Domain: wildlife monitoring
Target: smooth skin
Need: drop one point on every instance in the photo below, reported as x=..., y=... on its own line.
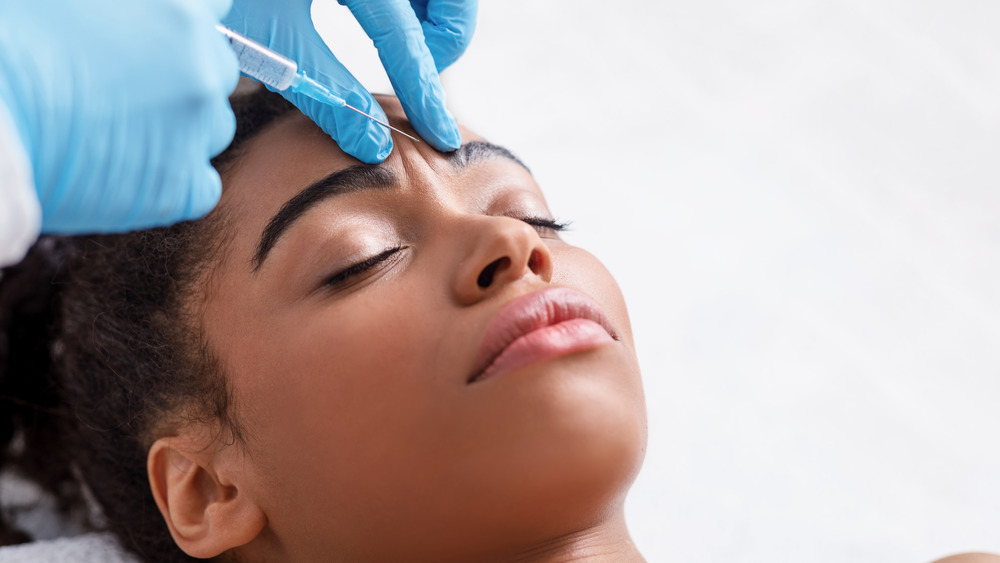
x=365, y=440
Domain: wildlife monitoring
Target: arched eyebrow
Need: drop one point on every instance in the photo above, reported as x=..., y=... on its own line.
x=477, y=151
x=360, y=178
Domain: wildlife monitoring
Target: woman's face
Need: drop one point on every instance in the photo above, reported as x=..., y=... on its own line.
x=350, y=320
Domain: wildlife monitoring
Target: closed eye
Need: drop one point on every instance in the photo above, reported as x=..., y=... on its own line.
x=346, y=274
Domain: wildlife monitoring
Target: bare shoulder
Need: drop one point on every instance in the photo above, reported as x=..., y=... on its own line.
x=971, y=558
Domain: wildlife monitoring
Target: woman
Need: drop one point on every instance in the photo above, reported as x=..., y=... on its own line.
x=394, y=362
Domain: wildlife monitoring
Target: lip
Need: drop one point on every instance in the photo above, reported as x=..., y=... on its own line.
x=540, y=326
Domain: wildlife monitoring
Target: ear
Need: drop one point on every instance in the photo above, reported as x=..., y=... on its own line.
x=195, y=492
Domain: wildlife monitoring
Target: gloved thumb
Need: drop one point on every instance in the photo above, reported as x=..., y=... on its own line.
x=356, y=134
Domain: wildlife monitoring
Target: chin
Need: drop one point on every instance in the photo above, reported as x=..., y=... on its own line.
x=595, y=423
x=574, y=439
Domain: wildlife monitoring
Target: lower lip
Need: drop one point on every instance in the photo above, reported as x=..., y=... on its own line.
x=568, y=337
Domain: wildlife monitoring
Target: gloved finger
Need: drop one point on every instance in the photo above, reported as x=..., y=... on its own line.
x=204, y=194
x=358, y=136
x=188, y=190
x=222, y=122
x=202, y=183
x=295, y=37
x=222, y=127
x=396, y=32
x=448, y=26
x=227, y=65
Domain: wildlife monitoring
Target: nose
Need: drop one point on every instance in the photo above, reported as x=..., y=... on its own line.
x=498, y=251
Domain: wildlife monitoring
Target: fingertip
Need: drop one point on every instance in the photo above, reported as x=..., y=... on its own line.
x=435, y=125
x=371, y=147
x=383, y=137
x=452, y=139
x=361, y=137
x=205, y=194
x=380, y=139
x=223, y=129
x=385, y=151
x=355, y=134
x=230, y=71
x=445, y=143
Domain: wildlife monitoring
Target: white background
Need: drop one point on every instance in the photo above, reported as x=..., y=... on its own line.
x=800, y=200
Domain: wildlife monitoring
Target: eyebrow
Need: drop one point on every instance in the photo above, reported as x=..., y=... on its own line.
x=362, y=177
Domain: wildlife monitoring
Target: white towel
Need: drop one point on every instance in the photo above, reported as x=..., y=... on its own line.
x=86, y=548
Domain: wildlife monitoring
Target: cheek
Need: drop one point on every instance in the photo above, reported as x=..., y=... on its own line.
x=349, y=369
x=343, y=393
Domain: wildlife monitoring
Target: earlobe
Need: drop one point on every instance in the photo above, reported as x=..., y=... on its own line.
x=204, y=510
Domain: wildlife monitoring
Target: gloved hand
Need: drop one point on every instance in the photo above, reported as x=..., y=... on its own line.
x=415, y=40
x=119, y=105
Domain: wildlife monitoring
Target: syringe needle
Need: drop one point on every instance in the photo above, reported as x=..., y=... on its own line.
x=380, y=122
x=281, y=73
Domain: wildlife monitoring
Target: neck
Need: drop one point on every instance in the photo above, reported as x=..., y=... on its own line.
x=608, y=540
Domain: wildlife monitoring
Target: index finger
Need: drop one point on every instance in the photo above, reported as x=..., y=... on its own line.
x=396, y=32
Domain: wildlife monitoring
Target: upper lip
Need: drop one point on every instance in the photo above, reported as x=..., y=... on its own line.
x=531, y=312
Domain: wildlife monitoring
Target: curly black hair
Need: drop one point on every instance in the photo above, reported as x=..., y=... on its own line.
x=101, y=351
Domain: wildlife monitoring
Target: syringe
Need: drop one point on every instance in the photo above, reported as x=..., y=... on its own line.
x=282, y=73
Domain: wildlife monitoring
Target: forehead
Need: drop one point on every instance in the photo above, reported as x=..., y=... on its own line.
x=286, y=156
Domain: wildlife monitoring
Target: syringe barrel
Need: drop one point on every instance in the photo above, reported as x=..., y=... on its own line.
x=260, y=62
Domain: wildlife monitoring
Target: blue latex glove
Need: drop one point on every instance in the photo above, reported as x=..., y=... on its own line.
x=120, y=105
x=415, y=41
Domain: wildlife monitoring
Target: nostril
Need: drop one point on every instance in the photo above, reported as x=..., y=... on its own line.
x=486, y=276
x=536, y=261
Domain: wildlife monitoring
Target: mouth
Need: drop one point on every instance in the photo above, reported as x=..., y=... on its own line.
x=540, y=326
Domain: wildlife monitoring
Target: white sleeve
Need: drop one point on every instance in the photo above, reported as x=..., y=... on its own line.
x=20, y=212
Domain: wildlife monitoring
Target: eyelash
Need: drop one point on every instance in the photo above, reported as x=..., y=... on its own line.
x=362, y=267
x=369, y=263
x=544, y=223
